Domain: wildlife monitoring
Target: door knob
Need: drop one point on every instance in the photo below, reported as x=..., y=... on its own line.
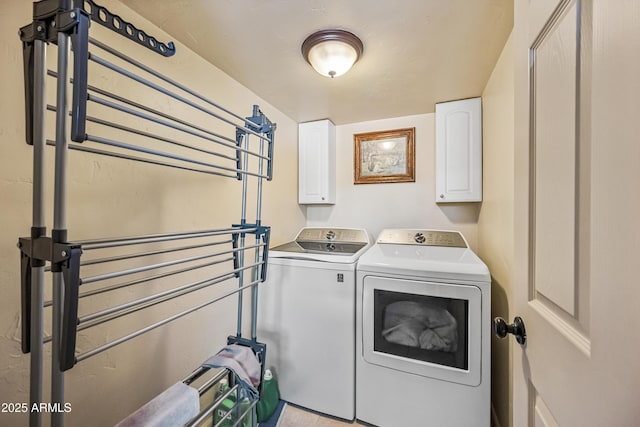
x=501, y=329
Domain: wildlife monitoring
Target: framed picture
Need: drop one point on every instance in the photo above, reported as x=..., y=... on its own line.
x=386, y=156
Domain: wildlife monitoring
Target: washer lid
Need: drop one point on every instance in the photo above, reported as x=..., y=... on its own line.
x=419, y=260
x=343, y=245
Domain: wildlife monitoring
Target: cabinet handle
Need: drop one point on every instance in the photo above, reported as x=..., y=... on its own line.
x=442, y=196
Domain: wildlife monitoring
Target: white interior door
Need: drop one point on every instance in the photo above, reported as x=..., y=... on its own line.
x=577, y=208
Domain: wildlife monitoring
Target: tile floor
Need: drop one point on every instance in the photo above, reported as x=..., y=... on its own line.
x=293, y=416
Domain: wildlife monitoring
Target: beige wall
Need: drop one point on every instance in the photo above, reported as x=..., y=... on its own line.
x=495, y=224
x=112, y=197
x=398, y=205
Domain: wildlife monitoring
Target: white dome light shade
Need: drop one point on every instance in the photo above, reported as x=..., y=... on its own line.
x=332, y=58
x=332, y=52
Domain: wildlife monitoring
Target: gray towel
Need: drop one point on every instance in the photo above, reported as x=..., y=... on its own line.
x=173, y=407
x=244, y=364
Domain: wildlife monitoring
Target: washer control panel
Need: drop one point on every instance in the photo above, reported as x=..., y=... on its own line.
x=343, y=235
x=452, y=239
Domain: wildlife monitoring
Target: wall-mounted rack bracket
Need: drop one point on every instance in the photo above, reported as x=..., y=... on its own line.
x=240, y=135
x=50, y=17
x=71, y=275
x=260, y=123
x=261, y=232
x=265, y=235
x=35, y=252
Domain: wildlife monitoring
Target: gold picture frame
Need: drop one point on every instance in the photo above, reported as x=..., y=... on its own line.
x=387, y=156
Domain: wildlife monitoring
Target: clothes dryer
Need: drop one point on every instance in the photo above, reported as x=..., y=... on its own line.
x=306, y=316
x=423, y=332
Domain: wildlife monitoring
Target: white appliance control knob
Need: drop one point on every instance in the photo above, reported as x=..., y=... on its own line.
x=419, y=238
x=331, y=235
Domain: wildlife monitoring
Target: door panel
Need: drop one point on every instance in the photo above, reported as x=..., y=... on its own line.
x=577, y=238
x=553, y=64
x=542, y=415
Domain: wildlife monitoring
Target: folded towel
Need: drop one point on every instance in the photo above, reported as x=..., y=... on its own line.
x=443, y=338
x=421, y=325
x=173, y=407
x=404, y=331
x=244, y=364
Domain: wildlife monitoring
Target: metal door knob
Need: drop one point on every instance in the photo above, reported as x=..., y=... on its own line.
x=501, y=329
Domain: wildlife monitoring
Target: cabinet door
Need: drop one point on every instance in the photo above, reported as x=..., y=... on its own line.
x=316, y=162
x=459, y=151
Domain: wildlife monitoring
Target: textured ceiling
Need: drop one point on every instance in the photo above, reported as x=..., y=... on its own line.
x=416, y=52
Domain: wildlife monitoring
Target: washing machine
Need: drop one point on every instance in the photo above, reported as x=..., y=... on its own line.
x=306, y=316
x=423, y=332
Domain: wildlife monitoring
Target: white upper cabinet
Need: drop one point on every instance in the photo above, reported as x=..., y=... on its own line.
x=459, y=151
x=317, y=162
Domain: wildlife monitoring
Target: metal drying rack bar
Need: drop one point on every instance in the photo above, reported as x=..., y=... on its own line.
x=143, y=133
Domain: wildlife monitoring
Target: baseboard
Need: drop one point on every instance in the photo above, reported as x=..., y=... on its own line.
x=280, y=417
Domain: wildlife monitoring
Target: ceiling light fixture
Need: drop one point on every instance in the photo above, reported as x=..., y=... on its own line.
x=332, y=52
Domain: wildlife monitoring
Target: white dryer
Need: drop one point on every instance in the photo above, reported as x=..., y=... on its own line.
x=306, y=316
x=423, y=332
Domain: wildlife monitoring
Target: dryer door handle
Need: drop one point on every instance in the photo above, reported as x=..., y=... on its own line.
x=501, y=329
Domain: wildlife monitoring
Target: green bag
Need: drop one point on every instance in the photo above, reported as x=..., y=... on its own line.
x=269, y=397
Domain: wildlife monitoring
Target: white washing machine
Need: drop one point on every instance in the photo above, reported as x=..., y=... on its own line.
x=306, y=316
x=423, y=332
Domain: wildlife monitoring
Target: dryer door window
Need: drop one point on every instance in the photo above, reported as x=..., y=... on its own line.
x=426, y=328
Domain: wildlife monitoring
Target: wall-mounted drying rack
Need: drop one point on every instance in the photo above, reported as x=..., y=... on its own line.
x=107, y=121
